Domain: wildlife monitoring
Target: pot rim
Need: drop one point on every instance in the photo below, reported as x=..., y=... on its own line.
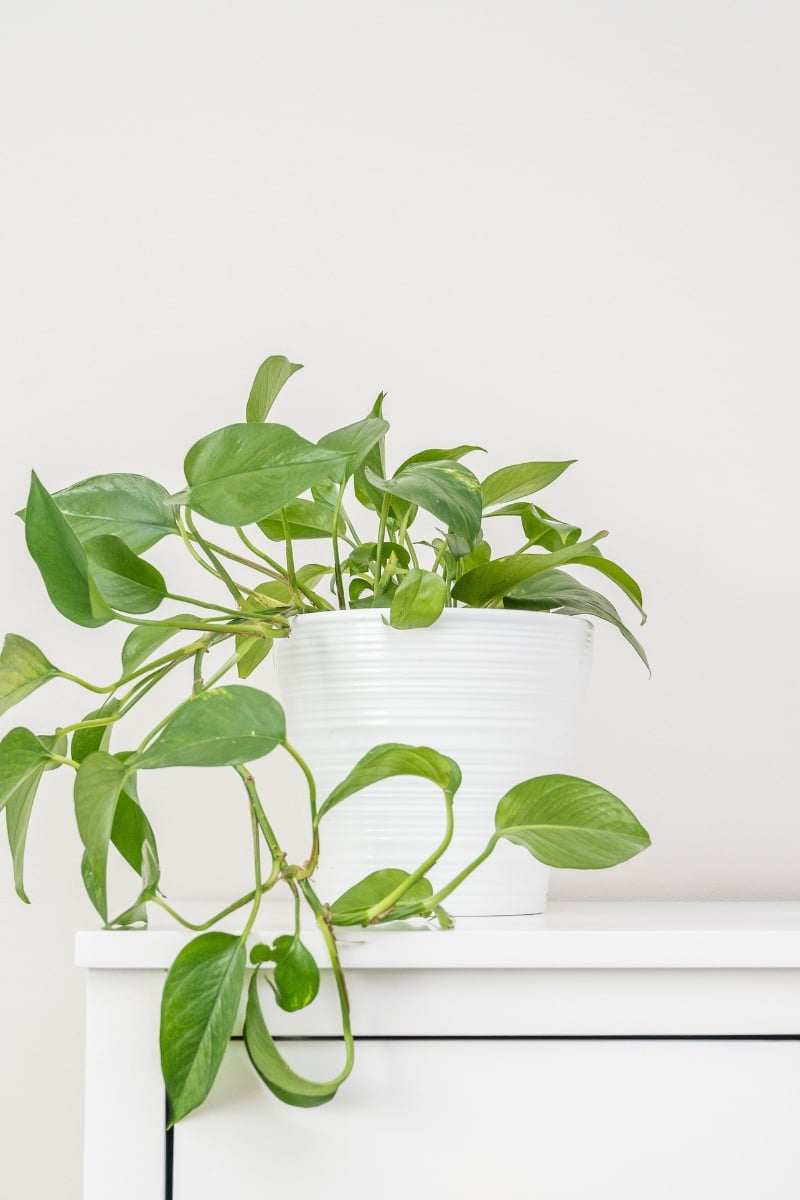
x=366, y=615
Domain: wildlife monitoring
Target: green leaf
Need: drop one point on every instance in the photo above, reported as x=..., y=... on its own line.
x=23, y=669
x=270, y=378
x=391, y=759
x=355, y=441
x=477, y=557
x=484, y=585
x=198, y=1012
x=362, y=558
x=131, y=507
x=24, y=758
x=571, y=823
x=539, y=527
x=448, y=490
x=353, y=906
x=275, y=594
x=268, y=1061
x=98, y=785
x=429, y=456
x=419, y=600
x=555, y=591
x=243, y=473
x=58, y=554
x=615, y=573
x=306, y=519
x=375, y=461
x=223, y=727
x=96, y=737
x=522, y=479
x=144, y=640
x=123, y=580
x=295, y=980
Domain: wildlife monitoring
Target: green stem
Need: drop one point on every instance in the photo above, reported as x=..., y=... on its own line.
x=389, y=901
x=266, y=829
x=310, y=866
x=381, y=535
x=215, y=562
x=220, y=608
x=323, y=924
x=275, y=567
x=428, y=906
x=292, y=575
x=67, y=762
x=251, y=920
x=337, y=564
x=90, y=687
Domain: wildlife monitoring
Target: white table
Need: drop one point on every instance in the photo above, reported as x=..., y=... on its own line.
x=610, y=1051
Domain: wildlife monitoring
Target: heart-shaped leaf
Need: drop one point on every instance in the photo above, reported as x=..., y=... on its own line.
x=521, y=479
x=131, y=507
x=355, y=441
x=23, y=669
x=391, y=759
x=419, y=600
x=143, y=641
x=448, y=490
x=242, y=473
x=486, y=584
x=354, y=906
x=124, y=581
x=273, y=1068
x=295, y=979
x=222, y=727
x=98, y=786
x=61, y=559
x=555, y=591
x=571, y=823
x=198, y=1012
x=270, y=378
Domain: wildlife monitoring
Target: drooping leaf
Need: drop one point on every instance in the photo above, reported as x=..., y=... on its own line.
x=274, y=594
x=538, y=526
x=306, y=519
x=448, y=490
x=374, y=461
x=270, y=378
x=391, y=759
x=24, y=758
x=429, y=456
x=615, y=573
x=486, y=584
x=23, y=669
x=571, y=823
x=144, y=640
x=419, y=600
x=123, y=580
x=198, y=1011
x=242, y=473
x=555, y=591
x=353, y=906
x=61, y=559
x=273, y=1068
x=131, y=507
x=521, y=479
x=222, y=727
x=355, y=441
x=98, y=785
x=295, y=980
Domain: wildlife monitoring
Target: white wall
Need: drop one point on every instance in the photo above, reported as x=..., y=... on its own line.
x=559, y=230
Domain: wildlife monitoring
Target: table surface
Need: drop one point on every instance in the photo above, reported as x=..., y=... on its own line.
x=569, y=935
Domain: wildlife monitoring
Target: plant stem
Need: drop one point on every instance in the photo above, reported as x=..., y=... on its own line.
x=215, y=562
x=428, y=906
x=337, y=564
x=323, y=924
x=257, y=865
x=310, y=866
x=389, y=901
x=381, y=535
x=267, y=830
x=275, y=567
x=292, y=575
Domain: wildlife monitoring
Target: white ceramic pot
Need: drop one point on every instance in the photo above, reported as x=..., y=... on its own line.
x=496, y=690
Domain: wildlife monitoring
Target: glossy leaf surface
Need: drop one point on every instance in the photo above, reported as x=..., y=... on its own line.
x=61, y=559
x=392, y=759
x=243, y=473
x=356, y=442
x=131, y=507
x=428, y=456
x=295, y=979
x=222, y=727
x=419, y=600
x=198, y=1011
x=123, y=580
x=571, y=823
x=306, y=519
x=352, y=907
x=270, y=378
x=142, y=642
x=555, y=591
x=448, y=490
x=521, y=479
x=23, y=669
x=24, y=758
x=486, y=584
x=375, y=462
x=273, y=1068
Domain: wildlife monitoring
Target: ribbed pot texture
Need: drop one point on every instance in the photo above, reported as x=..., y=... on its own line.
x=498, y=691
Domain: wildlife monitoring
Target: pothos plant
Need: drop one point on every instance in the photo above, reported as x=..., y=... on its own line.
x=272, y=488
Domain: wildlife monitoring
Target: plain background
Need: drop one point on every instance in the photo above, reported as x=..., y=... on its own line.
x=557, y=230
